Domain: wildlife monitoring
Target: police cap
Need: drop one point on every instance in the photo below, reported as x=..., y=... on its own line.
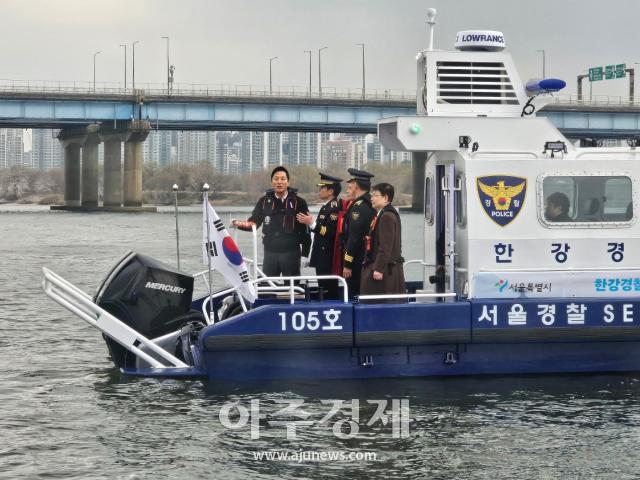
x=359, y=176
x=328, y=180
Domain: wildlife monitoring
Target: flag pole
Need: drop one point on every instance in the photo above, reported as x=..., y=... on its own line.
x=205, y=193
x=175, y=194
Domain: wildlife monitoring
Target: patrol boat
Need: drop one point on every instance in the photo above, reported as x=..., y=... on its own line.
x=513, y=283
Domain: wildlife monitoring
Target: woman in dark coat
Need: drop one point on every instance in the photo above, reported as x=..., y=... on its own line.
x=382, y=271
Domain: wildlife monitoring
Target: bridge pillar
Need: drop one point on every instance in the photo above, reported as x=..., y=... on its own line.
x=112, y=170
x=418, y=163
x=90, y=170
x=72, y=178
x=139, y=131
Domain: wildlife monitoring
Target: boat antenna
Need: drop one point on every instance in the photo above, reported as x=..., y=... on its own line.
x=175, y=195
x=205, y=193
x=431, y=21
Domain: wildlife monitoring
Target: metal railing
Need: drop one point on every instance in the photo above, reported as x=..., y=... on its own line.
x=596, y=100
x=407, y=296
x=115, y=89
x=203, y=90
x=10, y=86
x=291, y=289
x=79, y=303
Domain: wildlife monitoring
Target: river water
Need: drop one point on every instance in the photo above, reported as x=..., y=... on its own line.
x=68, y=413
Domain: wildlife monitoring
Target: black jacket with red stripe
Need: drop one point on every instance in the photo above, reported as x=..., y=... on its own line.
x=281, y=232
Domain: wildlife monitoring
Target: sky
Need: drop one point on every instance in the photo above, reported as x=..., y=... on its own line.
x=230, y=42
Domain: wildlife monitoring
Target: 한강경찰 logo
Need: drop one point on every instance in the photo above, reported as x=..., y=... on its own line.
x=502, y=197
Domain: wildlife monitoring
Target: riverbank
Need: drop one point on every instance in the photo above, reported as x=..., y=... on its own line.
x=34, y=187
x=226, y=199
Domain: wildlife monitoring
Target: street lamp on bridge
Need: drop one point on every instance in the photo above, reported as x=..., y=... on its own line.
x=94, y=70
x=320, y=70
x=363, y=75
x=270, y=76
x=133, y=66
x=309, y=52
x=168, y=67
x=125, y=65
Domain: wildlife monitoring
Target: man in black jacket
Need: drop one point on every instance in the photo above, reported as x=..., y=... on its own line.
x=324, y=231
x=356, y=226
x=285, y=239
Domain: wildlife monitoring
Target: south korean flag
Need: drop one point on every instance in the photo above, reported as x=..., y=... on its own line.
x=224, y=253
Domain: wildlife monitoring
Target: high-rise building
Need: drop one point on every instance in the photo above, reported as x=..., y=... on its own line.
x=232, y=163
x=288, y=157
x=322, y=139
x=196, y=147
x=165, y=143
x=46, y=149
x=375, y=150
x=308, y=148
x=338, y=152
x=274, y=148
x=151, y=148
x=11, y=147
x=258, y=151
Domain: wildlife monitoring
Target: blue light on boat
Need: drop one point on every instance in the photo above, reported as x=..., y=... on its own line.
x=545, y=85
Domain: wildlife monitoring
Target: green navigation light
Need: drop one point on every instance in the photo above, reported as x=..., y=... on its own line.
x=415, y=128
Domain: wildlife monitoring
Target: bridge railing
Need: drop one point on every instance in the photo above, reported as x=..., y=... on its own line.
x=200, y=90
x=597, y=100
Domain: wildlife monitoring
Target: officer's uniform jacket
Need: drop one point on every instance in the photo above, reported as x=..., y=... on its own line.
x=324, y=236
x=356, y=226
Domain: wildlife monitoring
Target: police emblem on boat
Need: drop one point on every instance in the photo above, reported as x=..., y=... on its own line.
x=502, y=197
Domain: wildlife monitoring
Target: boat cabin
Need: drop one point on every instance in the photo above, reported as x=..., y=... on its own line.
x=490, y=167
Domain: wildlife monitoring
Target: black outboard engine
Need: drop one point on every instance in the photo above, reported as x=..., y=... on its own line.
x=152, y=298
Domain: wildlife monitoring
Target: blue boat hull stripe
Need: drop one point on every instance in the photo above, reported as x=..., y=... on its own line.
x=558, y=334
x=275, y=341
x=413, y=337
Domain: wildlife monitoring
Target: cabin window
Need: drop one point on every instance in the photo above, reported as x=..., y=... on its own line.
x=428, y=199
x=586, y=199
x=461, y=201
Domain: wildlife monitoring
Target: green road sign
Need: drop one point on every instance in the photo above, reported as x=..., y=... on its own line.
x=595, y=74
x=609, y=72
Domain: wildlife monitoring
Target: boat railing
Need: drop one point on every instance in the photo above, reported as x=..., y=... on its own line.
x=407, y=296
x=289, y=286
x=79, y=303
x=204, y=275
x=420, y=262
x=480, y=153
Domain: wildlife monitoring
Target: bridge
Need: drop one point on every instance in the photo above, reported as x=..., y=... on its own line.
x=60, y=105
x=87, y=116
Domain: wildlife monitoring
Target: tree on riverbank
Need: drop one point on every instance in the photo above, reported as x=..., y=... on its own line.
x=234, y=188
x=19, y=184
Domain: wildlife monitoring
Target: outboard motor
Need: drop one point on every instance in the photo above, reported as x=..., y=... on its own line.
x=152, y=298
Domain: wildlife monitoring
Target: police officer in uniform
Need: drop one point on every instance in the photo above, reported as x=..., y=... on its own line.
x=356, y=226
x=284, y=238
x=324, y=230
